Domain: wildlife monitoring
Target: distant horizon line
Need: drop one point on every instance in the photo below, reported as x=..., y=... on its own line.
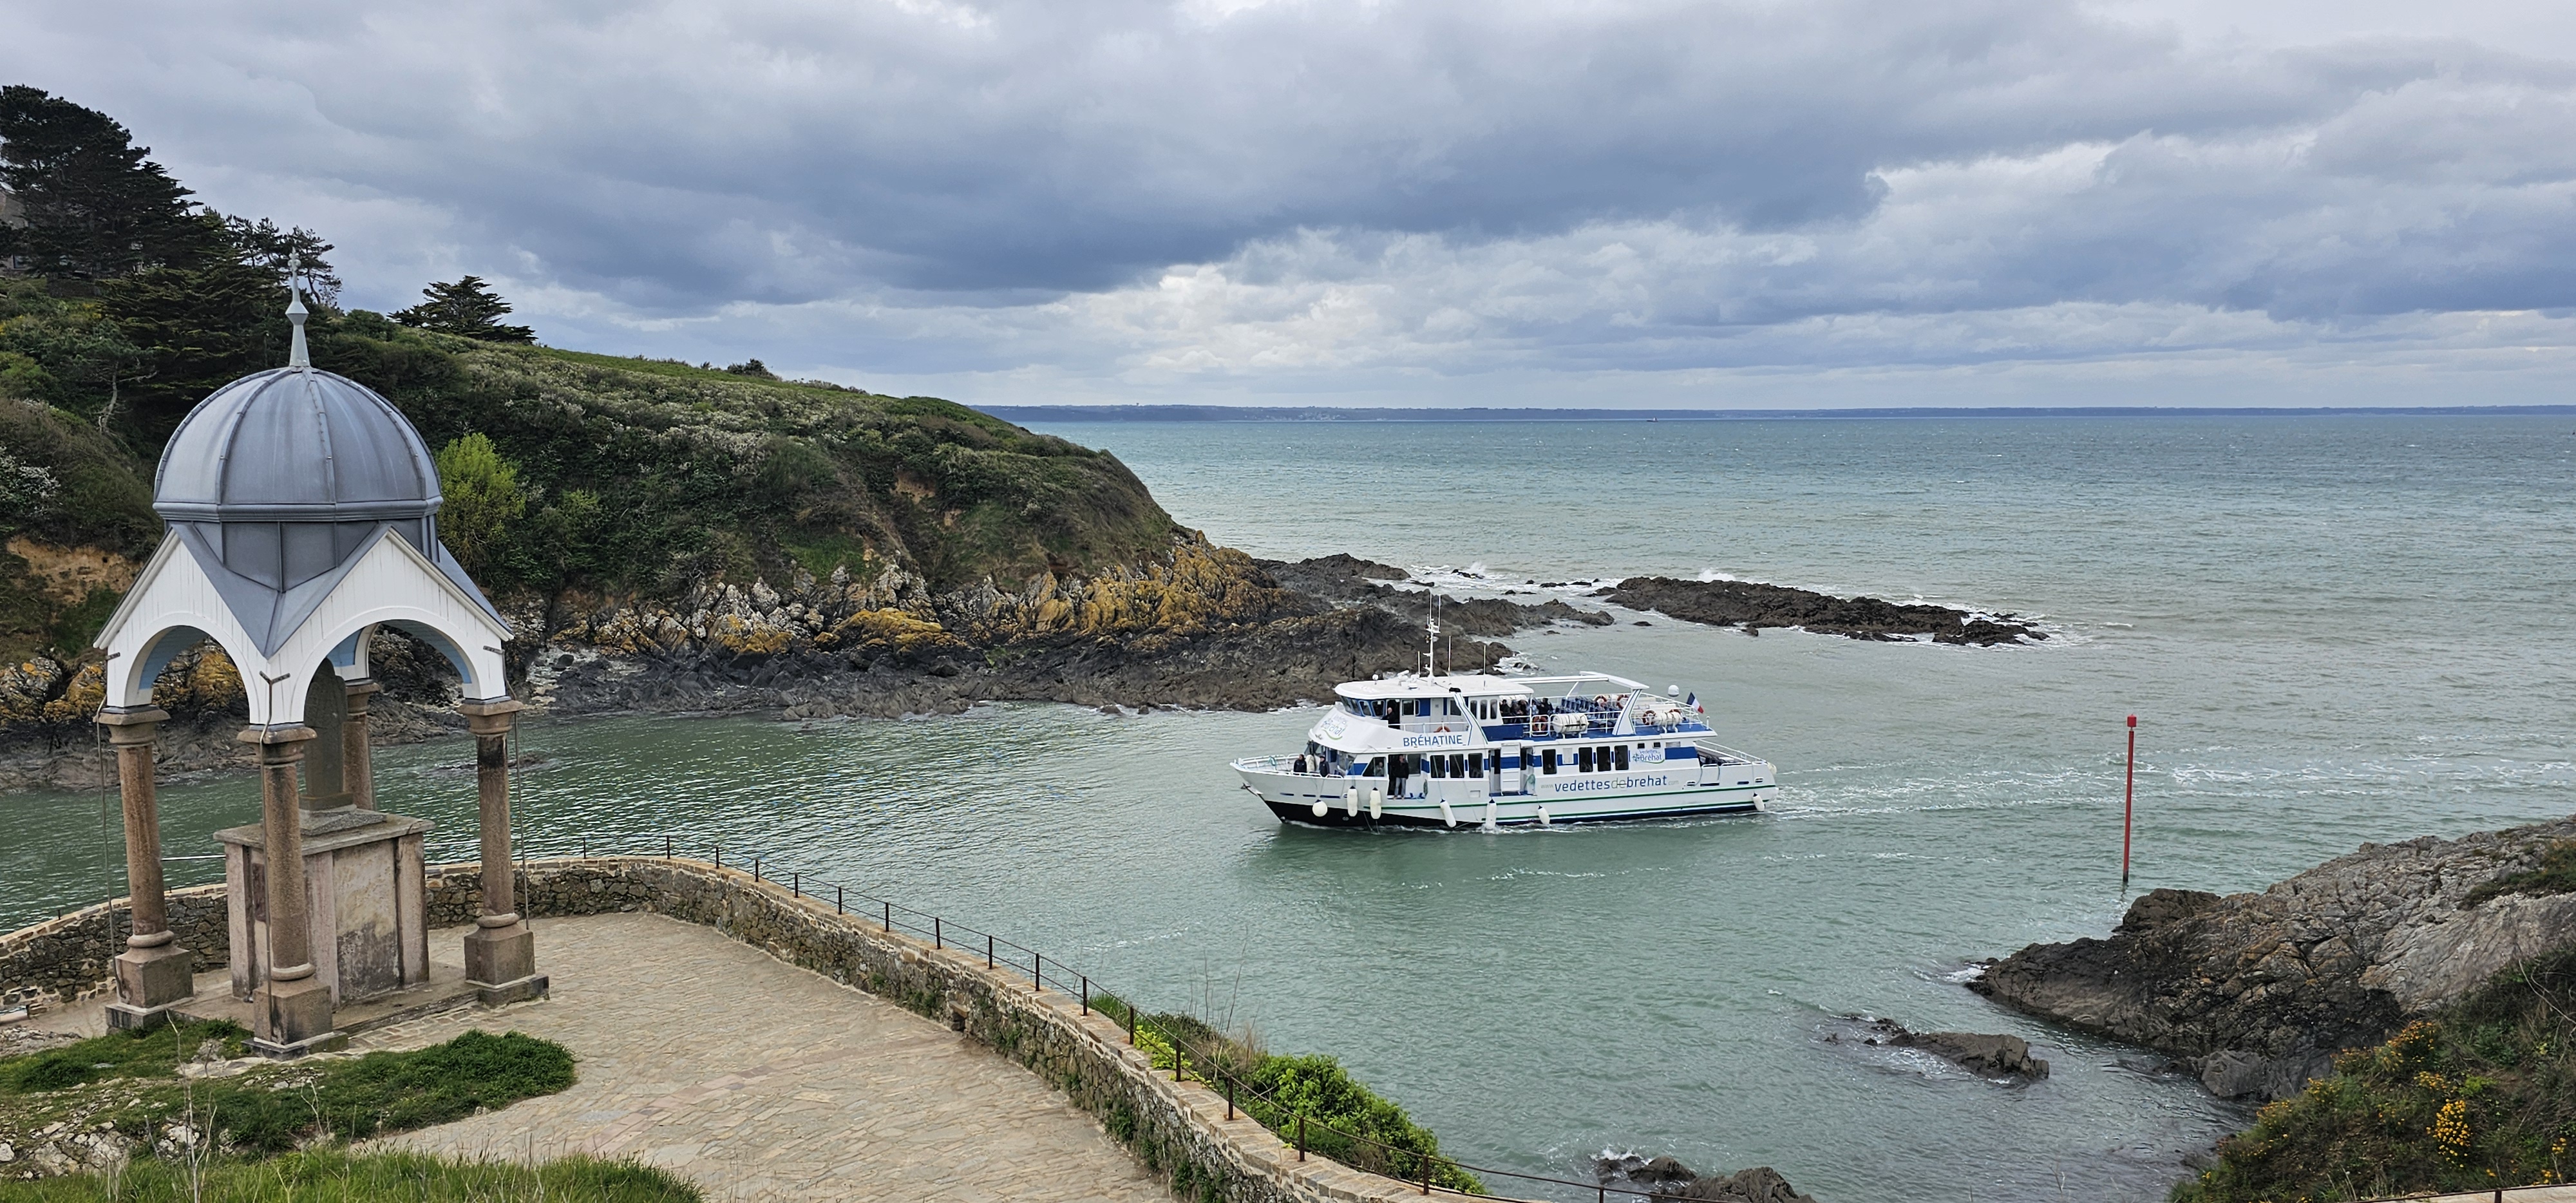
x=1336, y=413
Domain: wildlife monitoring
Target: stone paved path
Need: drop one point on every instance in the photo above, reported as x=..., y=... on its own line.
x=758, y=1080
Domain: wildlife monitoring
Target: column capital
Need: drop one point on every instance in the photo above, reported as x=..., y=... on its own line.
x=132, y=724
x=282, y=740
x=490, y=717
x=360, y=687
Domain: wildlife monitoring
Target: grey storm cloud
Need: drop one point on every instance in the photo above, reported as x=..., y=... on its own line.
x=1576, y=182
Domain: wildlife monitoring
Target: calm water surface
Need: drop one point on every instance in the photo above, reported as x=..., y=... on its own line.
x=2334, y=630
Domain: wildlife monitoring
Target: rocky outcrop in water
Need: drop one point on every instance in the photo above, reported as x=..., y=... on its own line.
x=1663, y=1178
x=2256, y=992
x=1987, y=1056
x=1751, y=607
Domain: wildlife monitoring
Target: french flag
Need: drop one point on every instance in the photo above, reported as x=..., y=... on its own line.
x=1693, y=702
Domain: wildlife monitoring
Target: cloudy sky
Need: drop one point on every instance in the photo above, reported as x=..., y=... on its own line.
x=1482, y=202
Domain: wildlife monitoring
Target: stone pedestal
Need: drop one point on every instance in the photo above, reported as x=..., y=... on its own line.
x=365, y=899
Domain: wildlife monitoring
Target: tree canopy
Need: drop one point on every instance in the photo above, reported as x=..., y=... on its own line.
x=93, y=205
x=467, y=307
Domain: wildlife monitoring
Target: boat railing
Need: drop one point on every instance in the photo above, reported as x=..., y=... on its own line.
x=1285, y=766
x=1722, y=753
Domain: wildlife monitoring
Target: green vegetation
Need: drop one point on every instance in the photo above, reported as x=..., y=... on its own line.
x=1345, y=1120
x=2556, y=874
x=129, y=1083
x=467, y=308
x=572, y=477
x=332, y=1175
x=137, y=1053
x=2480, y=1096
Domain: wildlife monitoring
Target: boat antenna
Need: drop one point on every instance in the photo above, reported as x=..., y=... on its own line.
x=1431, y=654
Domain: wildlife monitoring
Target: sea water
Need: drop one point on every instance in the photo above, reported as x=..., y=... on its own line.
x=2333, y=630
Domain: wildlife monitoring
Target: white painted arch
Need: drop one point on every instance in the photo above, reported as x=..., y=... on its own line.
x=174, y=605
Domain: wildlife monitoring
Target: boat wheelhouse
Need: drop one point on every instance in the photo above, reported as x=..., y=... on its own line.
x=1480, y=750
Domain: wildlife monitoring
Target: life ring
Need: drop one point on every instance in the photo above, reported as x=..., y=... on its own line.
x=1600, y=699
x=1441, y=731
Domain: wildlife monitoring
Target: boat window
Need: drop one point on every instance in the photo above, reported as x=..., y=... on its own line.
x=1548, y=760
x=1476, y=764
x=1622, y=755
x=1585, y=756
x=1457, y=764
x=1377, y=766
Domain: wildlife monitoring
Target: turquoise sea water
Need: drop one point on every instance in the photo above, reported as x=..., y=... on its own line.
x=2334, y=629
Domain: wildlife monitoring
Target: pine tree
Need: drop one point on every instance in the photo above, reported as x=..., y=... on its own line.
x=93, y=206
x=203, y=322
x=467, y=307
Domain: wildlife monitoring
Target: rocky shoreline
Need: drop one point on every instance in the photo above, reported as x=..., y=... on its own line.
x=1750, y=607
x=2257, y=992
x=1207, y=628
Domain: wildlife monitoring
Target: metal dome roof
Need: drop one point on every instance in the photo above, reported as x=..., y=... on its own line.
x=295, y=444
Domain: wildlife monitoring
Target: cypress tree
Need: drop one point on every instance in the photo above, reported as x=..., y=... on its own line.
x=93, y=205
x=467, y=307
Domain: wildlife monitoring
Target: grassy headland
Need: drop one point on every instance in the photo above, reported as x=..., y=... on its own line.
x=2479, y=1096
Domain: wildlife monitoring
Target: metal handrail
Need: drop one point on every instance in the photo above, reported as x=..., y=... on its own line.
x=894, y=917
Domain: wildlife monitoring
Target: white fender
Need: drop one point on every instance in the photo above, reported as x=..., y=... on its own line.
x=1319, y=808
x=1490, y=824
x=1374, y=812
x=1351, y=802
x=1374, y=794
x=1445, y=816
x=1542, y=817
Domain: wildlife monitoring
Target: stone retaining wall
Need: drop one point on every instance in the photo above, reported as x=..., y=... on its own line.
x=1176, y=1129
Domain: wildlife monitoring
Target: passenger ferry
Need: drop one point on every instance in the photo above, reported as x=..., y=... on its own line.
x=1422, y=750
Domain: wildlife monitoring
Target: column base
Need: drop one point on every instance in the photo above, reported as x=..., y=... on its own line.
x=150, y=981
x=291, y=1018
x=534, y=985
x=327, y=1042
x=500, y=956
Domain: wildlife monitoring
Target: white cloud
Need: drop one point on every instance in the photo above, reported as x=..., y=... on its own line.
x=1441, y=199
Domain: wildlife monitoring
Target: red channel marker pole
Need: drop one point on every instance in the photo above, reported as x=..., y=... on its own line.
x=2129, y=803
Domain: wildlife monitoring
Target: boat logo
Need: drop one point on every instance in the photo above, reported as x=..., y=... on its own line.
x=1435, y=741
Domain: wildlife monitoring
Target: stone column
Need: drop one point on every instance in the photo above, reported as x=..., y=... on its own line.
x=153, y=974
x=500, y=953
x=291, y=1011
x=357, y=762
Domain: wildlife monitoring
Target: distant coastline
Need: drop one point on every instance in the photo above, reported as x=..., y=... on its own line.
x=1332, y=413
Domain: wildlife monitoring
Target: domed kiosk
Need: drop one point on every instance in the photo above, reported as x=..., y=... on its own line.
x=303, y=517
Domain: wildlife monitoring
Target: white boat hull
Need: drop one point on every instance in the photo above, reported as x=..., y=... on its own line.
x=1295, y=797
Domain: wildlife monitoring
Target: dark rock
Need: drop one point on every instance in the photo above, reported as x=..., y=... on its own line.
x=1664, y=1178
x=1987, y=1056
x=1752, y=607
x=2257, y=992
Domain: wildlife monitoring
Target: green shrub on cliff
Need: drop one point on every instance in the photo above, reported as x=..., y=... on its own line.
x=1345, y=1120
x=2481, y=1096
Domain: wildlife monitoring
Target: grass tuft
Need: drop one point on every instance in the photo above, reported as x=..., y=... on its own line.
x=333, y=1175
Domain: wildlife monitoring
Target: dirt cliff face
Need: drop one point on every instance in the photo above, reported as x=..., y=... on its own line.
x=2258, y=991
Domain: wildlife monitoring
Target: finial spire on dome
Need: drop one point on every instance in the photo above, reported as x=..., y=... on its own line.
x=296, y=355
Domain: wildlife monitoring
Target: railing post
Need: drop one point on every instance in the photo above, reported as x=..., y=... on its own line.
x=837, y=909
x=938, y=939
x=889, y=918
x=1229, y=1096
x=988, y=952
x=796, y=885
x=1131, y=1025
x=1037, y=971
x=666, y=847
x=755, y=870
x=1086, y=994
x=720, y=856
x=1180, y=1060
x=1301, y=1136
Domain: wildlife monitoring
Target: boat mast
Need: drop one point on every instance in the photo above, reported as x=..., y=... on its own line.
x=1431, y=654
